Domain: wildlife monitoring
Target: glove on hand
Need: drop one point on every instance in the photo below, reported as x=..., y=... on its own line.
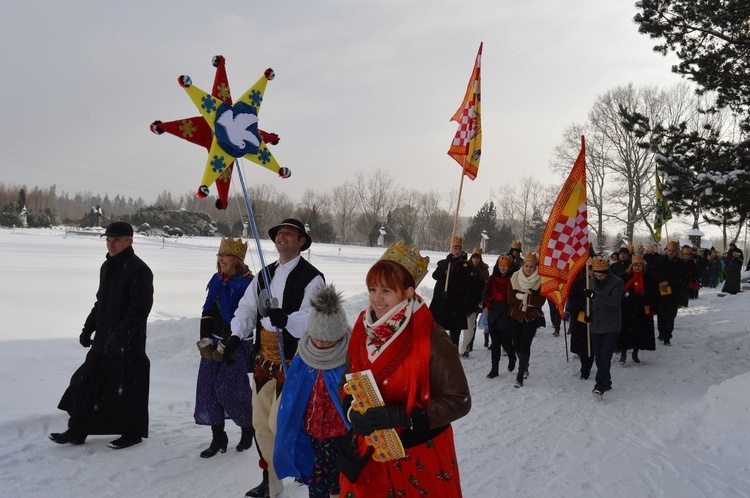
x=230, y=346
x=589, y=293
x=587, y=318
x=85, y=339
x=379, y=418
x=519, y=295
x=627, y=294
x=566, y=316
x=278, y=317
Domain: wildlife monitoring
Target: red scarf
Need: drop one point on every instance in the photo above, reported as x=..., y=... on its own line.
x=635, y=283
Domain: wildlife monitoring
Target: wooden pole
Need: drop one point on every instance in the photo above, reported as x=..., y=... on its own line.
x=588, y=313
x=565, y=335
x=455, y=223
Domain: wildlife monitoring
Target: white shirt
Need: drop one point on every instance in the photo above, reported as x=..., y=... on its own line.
x=244, y=321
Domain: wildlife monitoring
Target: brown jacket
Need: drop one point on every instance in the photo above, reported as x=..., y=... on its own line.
x=535, y=301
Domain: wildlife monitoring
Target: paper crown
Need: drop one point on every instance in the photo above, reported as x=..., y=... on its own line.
x=409, y=258
x=673, y=244
x=516, y=244
x=601, y=263
x=457, y=241
x=637, y=258
x=530, y=256
x=236, y=248
x=476, y=250
x=504, y=259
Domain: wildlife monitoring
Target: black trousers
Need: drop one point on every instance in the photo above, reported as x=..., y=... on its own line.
x=522, y=334
x=501, y=338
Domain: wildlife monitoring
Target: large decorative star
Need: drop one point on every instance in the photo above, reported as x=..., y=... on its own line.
x=200, y=131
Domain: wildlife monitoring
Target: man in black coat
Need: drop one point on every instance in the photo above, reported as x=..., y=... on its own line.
x=449, y=304
x=671, y=275
x=108, y=394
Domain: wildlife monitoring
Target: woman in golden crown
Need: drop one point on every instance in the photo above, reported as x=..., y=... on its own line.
x=640, y=303
x=423, y=386
x=525, y=307
x=223, y=388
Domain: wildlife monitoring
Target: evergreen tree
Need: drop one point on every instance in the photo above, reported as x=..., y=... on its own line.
x=711, y=39
x=484, y=220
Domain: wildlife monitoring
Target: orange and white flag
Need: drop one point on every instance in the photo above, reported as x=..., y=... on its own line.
x=466, y=147
x=565, y=243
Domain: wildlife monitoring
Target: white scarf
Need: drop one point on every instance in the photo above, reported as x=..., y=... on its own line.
x=525, y=285
x=382, y=332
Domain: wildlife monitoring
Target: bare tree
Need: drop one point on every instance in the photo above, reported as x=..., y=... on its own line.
x=517, y=206
x=343, y=211
x=375, y=195
x=597, y=157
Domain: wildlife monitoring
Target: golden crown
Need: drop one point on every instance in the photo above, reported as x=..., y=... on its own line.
x=236, y=248
x=409, y=258
x=601, y=263
x=516, y=244
x=504, y=259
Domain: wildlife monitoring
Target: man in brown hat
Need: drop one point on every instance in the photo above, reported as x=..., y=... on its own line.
x=277, y=301
x=449, y=305
x=108, y=394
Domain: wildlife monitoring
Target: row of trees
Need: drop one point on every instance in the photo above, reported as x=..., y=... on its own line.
x=698, y=136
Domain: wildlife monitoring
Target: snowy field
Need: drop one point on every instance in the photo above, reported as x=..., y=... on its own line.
x=676, y=425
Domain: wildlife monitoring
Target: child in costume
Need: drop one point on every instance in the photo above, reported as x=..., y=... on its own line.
x=310, y=420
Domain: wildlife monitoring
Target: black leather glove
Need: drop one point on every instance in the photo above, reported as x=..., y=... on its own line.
x=587, y=318
x=589, y=293
x=85, y=339
x=278, y=317
x=379, y=418
x=230, y=346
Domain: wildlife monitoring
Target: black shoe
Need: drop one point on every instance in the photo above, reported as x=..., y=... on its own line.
x=124, y=442
x=519, y=383
x=556, y=332
x=465, y=354
x=68, y=437
x=218, y=443
x=584, y=377
x=246, y=441
x=493, y=373
x=526, y=374
x=623, y=357
x=635, y=357
x=261, y=490
x=667, y=343
x=511, y=366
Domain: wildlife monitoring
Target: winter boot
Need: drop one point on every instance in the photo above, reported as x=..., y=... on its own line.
x=623, y=357
x=635, y=356
x=493, y=373
x=218, y=443
x=261, y=490
x=246, y=441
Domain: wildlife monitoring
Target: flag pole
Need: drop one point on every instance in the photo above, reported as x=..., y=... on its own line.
x=455, y=223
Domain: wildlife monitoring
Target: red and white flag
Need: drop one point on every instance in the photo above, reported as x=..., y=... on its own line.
x=466, y=147
x=565, y=243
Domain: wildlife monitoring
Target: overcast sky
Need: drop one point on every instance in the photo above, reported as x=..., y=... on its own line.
x=359, y=86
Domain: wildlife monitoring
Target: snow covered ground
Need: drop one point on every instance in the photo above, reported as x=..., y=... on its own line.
x=675, y=425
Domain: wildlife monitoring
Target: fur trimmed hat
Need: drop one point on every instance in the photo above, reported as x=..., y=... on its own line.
x=327, y=321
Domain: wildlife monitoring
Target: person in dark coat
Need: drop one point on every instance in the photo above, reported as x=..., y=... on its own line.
x=734, y=269
x=670, y=275
x=640, y=302
x=619, y=267
x=449, y=306
x=108, y=394
x=714, y=269
x=475, y=288
x=605, y=292
x=692, y=277
x=576, y=309
x=496, y=308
